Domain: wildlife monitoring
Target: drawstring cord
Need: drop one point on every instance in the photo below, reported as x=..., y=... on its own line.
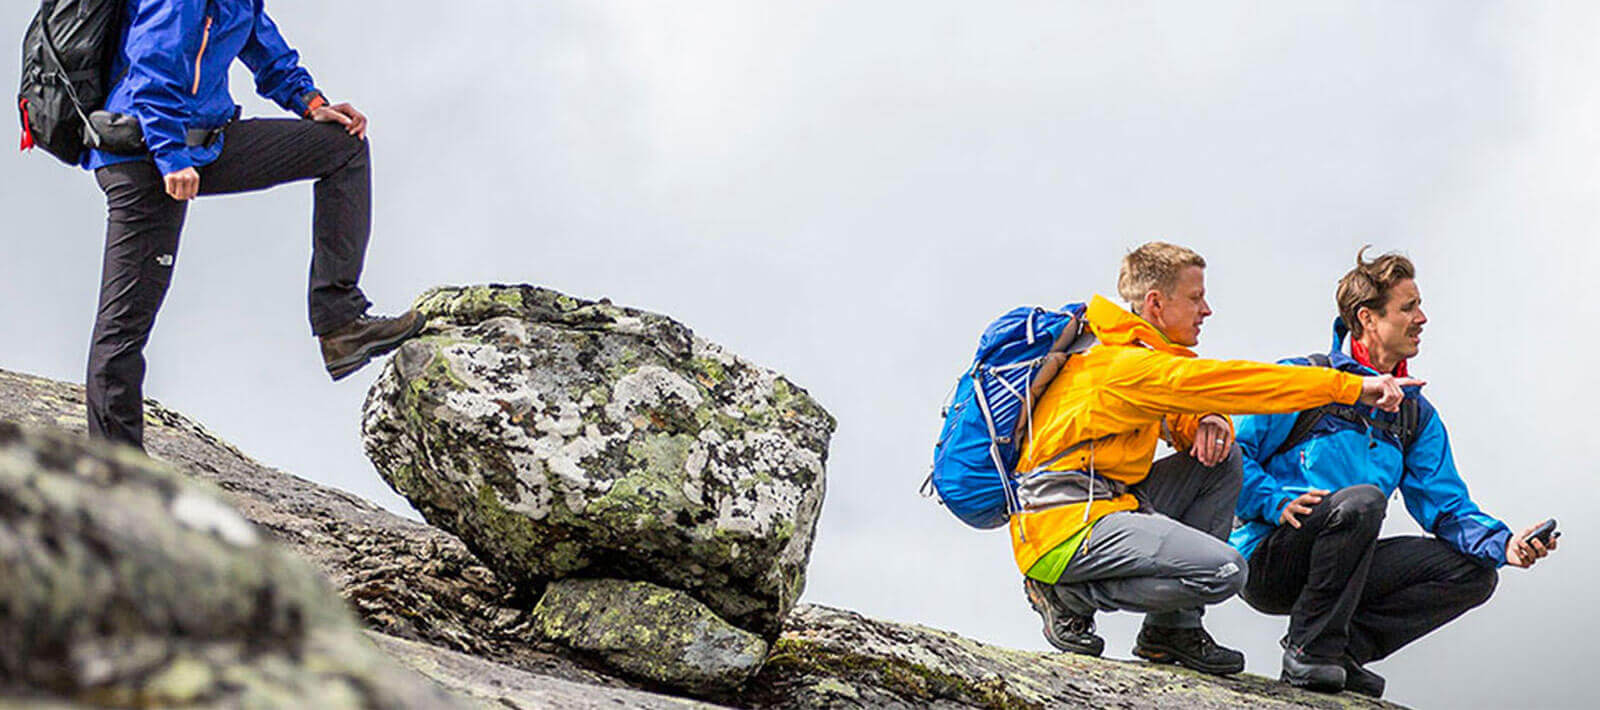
x=27, y=127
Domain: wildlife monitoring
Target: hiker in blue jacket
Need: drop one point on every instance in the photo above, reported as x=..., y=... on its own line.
x=172, y=79
x=1316, y=488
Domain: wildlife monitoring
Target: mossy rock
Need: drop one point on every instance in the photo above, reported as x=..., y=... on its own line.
x=658, y=634
x=560, y=437
x=127, y=585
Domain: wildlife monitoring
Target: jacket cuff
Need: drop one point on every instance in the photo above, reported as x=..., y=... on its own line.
x=1347, y=388
x=1276, y=513
x=311, y=101
x=172, y=160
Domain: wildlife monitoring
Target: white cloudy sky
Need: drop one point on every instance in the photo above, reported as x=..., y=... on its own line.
x=848, y=191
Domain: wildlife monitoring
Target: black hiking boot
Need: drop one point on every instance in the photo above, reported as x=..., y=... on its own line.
x=1073, y=633
x=1190, y=648
x=1324, y=675
x=1357, y=679
x=349, y=348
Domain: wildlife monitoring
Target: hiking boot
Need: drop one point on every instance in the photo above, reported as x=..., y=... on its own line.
x=1073, y=633
x=1324, y=675
x=1190, y=648
x=1357, y=679
x=347, y=349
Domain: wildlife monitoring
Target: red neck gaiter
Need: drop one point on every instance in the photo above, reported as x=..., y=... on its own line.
x=1359, y=352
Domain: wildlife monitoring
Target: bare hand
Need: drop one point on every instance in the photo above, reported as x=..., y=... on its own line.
x=1300, y=506
x=1523, y=551
x=354, y=122
x=1212, y=440
x=1384, y=391
x=183, y=184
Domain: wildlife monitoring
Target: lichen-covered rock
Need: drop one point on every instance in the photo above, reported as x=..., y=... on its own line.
x=559, y=437
x=839, y=659
x=123, y=584
x=651, y=632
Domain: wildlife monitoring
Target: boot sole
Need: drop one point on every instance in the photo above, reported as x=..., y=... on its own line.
x=1157, y=655
x=346, y=366
x=1312, y=685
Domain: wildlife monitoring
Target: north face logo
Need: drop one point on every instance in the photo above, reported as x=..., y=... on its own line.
x=164, y=259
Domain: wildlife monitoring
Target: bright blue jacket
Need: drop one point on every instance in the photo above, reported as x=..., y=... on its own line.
x=172, y=73
x=1340, y=453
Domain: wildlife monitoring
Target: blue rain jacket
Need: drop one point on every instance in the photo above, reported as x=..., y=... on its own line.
x=1339, y=454
x=172, y=74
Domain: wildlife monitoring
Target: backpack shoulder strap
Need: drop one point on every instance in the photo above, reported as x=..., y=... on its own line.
x=1410, y=423
x=1307, y=419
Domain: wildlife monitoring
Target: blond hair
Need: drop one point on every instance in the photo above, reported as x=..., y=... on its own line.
x=1154, y=266
x=1368, y=285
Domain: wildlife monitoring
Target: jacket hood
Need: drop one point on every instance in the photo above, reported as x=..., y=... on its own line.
x=1337, y=355
x=1115, y=325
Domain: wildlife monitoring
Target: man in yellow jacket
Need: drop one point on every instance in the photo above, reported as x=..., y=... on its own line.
x=1100, y=527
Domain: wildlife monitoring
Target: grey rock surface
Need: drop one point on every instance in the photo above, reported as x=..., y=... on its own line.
x=127, y=584
x=562, y=438
x=493, y=685
x=834, y=658
x=652, y=632
x=403, y=578
x=466, y=628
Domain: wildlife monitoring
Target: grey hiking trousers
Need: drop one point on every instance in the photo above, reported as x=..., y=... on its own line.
x=1171, y=558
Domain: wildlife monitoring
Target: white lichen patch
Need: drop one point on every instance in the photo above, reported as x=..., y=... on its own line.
x=208, y=515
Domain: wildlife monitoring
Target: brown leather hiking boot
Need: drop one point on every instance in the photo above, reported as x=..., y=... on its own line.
x=349, y=348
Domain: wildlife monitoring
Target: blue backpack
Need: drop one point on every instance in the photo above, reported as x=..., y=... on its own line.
x=986, y=416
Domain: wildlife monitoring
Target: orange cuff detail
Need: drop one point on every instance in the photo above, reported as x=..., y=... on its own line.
x=315, y=103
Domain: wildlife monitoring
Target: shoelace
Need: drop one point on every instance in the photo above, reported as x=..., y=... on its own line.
x=1074, y=624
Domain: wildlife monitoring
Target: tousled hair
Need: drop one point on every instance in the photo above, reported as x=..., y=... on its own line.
x=1369, y=284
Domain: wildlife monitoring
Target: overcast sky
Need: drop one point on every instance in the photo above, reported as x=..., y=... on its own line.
x=848, y=191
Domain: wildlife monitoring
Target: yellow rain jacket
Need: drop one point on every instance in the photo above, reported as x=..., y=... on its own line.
x=1132, y=387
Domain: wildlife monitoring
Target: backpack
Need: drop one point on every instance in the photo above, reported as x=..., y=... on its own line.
x=66, y=57
x=991, y=407
x=1405, y=427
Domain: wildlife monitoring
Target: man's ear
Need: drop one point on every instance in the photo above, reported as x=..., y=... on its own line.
x=1366, y=316
x=1152, y=302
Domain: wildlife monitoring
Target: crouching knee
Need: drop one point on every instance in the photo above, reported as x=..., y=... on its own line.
x=1480, y=584
x=1227, y=578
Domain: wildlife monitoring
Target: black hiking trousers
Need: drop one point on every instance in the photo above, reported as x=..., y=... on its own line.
x=142, y=227
x=1349, y=593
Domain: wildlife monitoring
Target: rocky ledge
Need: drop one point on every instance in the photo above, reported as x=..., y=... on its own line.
x=487, y=631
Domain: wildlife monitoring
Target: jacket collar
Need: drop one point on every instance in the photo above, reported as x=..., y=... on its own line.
x=1115, y=325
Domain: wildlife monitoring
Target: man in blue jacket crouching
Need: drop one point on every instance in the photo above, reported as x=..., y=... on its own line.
x=172, y=79
x=1316, y=488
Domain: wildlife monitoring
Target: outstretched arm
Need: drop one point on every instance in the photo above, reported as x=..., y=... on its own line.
x=1159, y=382
x=1438, y=500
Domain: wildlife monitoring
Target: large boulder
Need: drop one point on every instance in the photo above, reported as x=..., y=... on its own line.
x=560, y=437
x=127, y=585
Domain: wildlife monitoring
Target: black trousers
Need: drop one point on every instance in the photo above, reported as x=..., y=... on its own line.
x=1349, y=593
x=142, y=227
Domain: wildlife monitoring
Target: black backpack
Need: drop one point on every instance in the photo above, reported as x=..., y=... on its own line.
x=1404, y=427
x=66, y=60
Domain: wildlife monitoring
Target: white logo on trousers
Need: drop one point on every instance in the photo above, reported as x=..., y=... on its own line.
x=164, y=259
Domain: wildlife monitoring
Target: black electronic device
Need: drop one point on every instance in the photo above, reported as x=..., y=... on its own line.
x=1545, y=532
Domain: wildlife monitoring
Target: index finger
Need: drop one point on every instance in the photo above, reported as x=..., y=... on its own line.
x=1409, y=382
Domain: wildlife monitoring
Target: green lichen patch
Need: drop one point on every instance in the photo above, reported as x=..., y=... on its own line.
x=918, y=684
x=655, y=633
